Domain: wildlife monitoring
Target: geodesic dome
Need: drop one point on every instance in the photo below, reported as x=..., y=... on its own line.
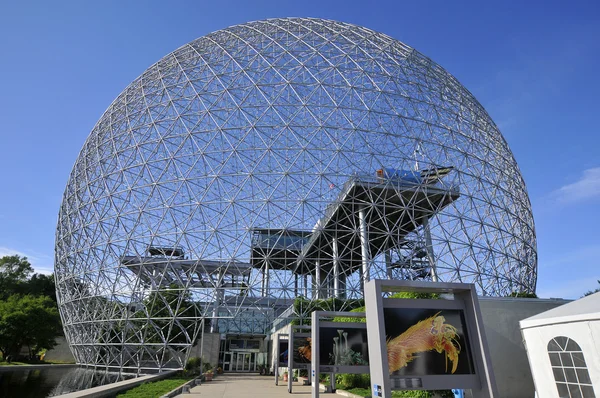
x=273, y=160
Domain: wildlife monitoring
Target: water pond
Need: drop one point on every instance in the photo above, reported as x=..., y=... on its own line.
x=50, y=381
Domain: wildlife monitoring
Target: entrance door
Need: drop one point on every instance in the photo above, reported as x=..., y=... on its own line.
x=227, y=362
x=239, y=361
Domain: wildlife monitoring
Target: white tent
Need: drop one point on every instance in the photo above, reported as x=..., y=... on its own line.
x=563, y=348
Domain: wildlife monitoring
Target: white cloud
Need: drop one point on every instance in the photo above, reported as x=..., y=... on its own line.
x=41, y=263
x=587, y=187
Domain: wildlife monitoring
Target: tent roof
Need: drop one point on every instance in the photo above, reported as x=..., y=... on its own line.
x=584, y=309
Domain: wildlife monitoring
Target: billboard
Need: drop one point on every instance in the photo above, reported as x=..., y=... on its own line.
x=425, y=341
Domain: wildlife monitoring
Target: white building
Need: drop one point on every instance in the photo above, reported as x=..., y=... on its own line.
x=563, y=348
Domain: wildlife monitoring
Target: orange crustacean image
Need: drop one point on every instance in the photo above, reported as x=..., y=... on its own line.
x=305, y=351
x=426, y=335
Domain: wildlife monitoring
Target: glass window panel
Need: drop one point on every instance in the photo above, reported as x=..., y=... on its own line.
x=575, y=391
x=570, y=374
x=561, y=341
x=563, y=390
x=572, y=346
x=553, y=346
x=565, y=357
x=555, y=359
x=558, y=374
x=578, y=359
x=583, y=376
x=588, y=392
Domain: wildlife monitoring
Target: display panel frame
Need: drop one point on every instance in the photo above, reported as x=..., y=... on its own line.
x=459, y=297
x=317, y=325
x=297, y=332
x=281, y=338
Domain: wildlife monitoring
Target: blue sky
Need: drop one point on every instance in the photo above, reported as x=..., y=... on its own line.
x=533, y=65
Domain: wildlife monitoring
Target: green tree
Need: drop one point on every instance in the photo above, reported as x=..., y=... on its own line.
x=28, y=321
x=592, y=291
x=14, y=274
x=41, y=285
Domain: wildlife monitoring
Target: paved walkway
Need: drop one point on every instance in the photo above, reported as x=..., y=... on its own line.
x=246, y=385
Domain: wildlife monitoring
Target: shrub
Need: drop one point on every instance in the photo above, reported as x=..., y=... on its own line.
x=193, y=363
x=348, y=381
x=304, y=307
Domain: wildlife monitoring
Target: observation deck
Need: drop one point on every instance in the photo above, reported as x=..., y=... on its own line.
x=280, y=248
x=370, y=216
x=165, y=271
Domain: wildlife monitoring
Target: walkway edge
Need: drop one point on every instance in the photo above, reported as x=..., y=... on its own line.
x=345, y=393
x=179, y=390
x=38, y=366
x=114, y=388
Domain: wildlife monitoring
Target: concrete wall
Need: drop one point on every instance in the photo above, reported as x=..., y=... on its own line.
x=501, y=318
x=586, y=334
x=210, y=351
x=61, y=352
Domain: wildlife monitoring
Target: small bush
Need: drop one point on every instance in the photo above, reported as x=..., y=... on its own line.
x=348, y=381
x=193, y=363
x=206, y=366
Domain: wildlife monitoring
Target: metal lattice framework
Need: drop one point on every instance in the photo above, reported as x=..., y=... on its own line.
x=273, y=160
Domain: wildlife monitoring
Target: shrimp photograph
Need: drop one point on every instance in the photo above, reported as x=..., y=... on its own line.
x=426, y=342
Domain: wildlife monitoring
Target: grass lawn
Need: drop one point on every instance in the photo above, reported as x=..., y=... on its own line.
x=154, y=389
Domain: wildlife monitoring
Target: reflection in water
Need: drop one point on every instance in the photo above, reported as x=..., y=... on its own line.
x=79, y=379
x=52, y=381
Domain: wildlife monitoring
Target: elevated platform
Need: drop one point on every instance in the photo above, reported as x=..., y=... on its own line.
x=280, y=247
x=165, y=271
x=391, y=209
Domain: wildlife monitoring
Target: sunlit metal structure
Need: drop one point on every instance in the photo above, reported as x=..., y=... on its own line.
x=273, y=160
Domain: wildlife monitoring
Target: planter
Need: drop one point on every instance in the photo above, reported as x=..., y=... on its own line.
x=285, y=377
x=304, y=381
x=208, y=376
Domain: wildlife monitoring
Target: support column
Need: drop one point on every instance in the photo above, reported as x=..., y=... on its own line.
x=336, y=269
x=295, y=285
x=364, y=245
x=262, y=282
x=388, y=264
x=219, y=298
x=429, y=248
x=306, y=285
x=317, y=287
x=265, y=281
x=201, y=342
